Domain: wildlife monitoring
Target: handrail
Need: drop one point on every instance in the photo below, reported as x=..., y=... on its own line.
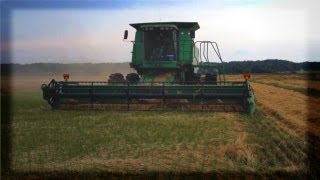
x=204, y=50
x=204, y=53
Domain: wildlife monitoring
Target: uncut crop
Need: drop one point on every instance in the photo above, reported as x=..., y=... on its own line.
x=138, y=141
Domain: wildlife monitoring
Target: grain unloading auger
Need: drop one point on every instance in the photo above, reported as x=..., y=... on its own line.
x=173, y=72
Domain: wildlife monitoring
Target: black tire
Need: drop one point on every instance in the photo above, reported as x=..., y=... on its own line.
x=116, y=78
x=133, y=78
x=197, y=79
x=211, y=79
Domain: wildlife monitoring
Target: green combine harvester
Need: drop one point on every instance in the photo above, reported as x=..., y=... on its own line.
x=173, y=72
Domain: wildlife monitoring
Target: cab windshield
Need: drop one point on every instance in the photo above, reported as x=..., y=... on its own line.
x=160, y=45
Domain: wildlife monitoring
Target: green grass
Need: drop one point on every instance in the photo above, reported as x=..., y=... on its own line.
x=275, y=149
x=41, y=135
x=46, y=140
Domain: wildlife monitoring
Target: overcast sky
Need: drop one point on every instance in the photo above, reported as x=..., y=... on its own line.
x=244, y=29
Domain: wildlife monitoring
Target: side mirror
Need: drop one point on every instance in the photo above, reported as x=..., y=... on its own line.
x=192, y=34
x=125, y=35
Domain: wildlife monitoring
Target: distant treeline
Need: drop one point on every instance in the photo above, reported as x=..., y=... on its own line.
x=233, y=67
x=269, y=66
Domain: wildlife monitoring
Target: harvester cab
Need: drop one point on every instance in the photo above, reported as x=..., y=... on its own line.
x=172, y=71
x=168, y=48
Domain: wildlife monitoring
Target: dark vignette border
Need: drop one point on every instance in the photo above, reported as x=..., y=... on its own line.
x=6, y=171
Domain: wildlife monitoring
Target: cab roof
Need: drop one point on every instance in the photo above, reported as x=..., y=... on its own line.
x=192, y=25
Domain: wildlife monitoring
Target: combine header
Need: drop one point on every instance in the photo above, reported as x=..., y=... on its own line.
x=173, y=72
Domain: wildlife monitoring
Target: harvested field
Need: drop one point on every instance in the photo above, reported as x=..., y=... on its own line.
x=290, y=106
x=286, y=97
x=296, y=81
x=302, y=83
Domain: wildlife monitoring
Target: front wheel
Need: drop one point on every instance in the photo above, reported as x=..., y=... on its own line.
x=133, y=78
x=116, y=78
